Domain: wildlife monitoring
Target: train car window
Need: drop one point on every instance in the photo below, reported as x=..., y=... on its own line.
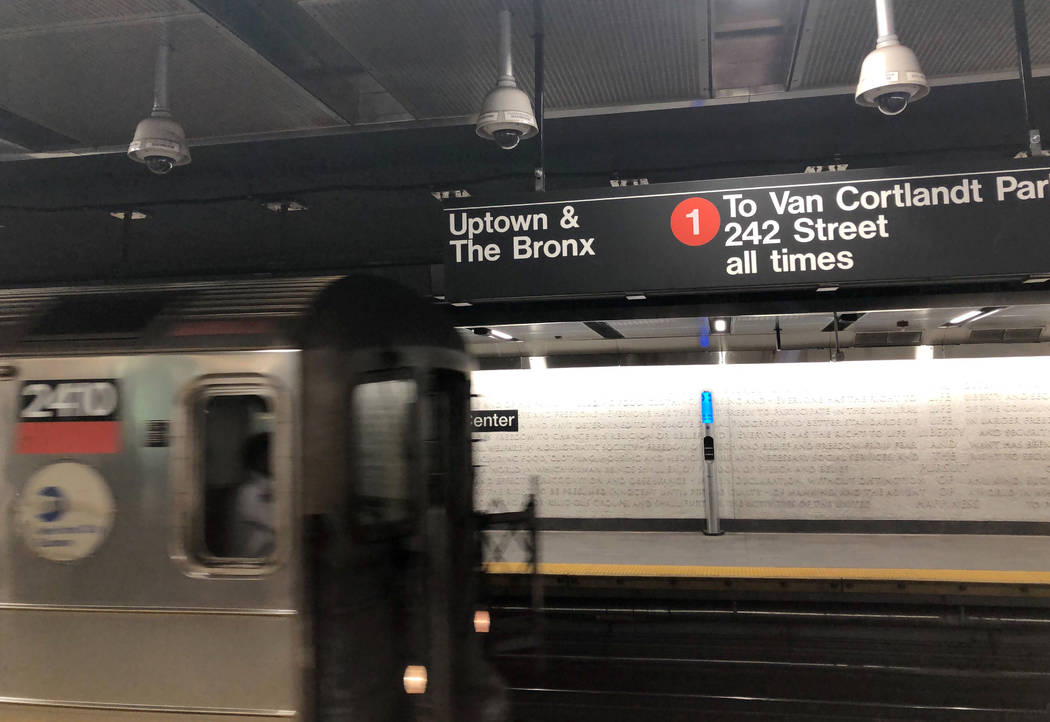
x=237, y=477
x=447, y=439
x=383, y=441
x=233, y=468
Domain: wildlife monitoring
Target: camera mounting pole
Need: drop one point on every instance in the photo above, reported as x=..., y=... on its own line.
x=539, y=174
x=506, y=115
x=884, y=21
x=160, y=79
x=1024, y=61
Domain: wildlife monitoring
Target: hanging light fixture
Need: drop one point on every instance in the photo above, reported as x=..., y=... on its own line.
x=160, y=141
x=506, y=115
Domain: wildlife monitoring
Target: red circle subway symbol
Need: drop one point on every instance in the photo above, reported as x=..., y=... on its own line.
x=695, y=221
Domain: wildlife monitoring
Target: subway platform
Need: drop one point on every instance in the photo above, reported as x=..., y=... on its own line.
x=941, y=564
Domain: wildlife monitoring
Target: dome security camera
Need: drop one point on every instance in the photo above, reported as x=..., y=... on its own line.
x=506, y=117
x=160, y=143
x=890, y=78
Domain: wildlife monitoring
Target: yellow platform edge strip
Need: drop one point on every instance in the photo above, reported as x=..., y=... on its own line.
x=973, y=576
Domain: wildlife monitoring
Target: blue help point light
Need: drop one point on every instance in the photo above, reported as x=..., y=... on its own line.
x=707, y=411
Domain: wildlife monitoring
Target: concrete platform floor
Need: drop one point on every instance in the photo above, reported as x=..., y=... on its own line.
x=828, y=551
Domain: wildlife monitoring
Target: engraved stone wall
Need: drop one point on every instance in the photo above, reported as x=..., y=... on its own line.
x=956, y=439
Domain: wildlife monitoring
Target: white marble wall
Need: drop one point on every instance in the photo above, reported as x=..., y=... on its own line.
x=957, y=439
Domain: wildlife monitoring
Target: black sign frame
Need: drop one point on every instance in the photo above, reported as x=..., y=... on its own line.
x=930, y=226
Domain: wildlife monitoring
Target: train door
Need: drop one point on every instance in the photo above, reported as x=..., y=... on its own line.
x=116, y=603
x=392, y=578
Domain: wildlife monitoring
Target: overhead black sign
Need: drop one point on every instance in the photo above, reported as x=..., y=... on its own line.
x=494, y=420
x=851, y=227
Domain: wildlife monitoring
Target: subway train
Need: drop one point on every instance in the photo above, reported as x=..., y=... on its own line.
x=248, y=499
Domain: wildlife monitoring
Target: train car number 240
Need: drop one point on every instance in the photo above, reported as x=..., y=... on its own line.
x=94, y=399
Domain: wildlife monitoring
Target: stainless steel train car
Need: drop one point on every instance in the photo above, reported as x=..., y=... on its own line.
x=243, y=500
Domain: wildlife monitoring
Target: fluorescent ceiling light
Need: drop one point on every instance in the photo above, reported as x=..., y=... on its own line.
x=720, y=325
x=986, y=312
x=1041, y=278
x=461, y=304
x=537, y=362
x=975, y=315
x=964, y=317
x=923, y=353
x=827, y=289
x=635, y=296
x=500, y=334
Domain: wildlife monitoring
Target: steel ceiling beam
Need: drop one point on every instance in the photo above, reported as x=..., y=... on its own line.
x=709, y=34
x=468, y=120
x=803, y=42
x=291, y=40
x=30, y=135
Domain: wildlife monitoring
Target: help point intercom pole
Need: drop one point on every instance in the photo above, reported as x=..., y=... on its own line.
x=707, y=416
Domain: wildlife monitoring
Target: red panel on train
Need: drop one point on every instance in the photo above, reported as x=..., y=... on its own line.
x=69, y=437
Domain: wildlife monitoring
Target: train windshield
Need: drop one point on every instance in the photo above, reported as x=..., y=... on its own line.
x=383, y=444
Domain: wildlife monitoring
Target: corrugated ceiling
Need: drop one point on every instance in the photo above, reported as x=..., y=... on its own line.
x=441, y=58
x=20, y=16
x=84, y=69
x=960, y=37
x=1038, y=12
x=94, y=82
x=925, y=325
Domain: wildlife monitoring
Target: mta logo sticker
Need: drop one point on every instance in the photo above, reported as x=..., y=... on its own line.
x=65, y=511
x=56, y=501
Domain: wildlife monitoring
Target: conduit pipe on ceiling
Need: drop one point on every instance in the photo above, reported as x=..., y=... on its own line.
x=1024, y=62
x=540, y=174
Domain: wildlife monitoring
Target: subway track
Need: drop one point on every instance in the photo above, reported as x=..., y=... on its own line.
x=792, y=662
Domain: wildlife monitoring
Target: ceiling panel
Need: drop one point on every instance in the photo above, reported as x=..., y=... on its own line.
x=8, y=147
x=21, y=16
x=83, y=68
x=94, y=82
x=1038, y=12
x=608, y=52
x=440, y=59
x=572, y=331
x=924, y=318
x=961, y=37
x=753, y=43
x=804, y=330
x=950, y=38
x=428, y=55
x=658, y=327
x=931, y=318
x=1016, y=317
